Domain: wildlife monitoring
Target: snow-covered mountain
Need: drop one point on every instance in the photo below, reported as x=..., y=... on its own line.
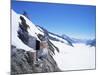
x=15, y=27
x=57, y=37
x=74, y=40
x=91, y=42
x=23, y=48
x=84, y=41
x=33, y=31
x=23, y=45
x=66, y=57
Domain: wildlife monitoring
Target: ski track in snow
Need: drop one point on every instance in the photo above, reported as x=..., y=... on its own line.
x=74, y=58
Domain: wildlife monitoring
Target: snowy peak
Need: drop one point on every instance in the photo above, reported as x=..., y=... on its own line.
x=32, y=32
x=83, y=41
x=55, y=37
x=24, y=46
x=60, y=48
x=15, y=27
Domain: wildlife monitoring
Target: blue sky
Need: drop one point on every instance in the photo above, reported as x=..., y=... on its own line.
x=76, y=21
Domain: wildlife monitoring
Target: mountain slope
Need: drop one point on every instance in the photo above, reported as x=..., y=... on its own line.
x=62, y=55
x=56, y=37
x=23, y=52
x=15, y=40
x=91, y=42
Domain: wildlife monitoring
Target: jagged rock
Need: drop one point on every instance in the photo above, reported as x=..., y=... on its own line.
x=22, y=62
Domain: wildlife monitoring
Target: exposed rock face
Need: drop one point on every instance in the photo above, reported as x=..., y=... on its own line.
x=22, y=62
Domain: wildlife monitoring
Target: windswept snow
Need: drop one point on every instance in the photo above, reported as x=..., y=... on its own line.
x=74, y=58
x=33, y=30
x=78, y=57
x=15, y=40
x=59, y=38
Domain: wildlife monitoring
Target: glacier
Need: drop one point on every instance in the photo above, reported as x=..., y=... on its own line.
x=79, y=57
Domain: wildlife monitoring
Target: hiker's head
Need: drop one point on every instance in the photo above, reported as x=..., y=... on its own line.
x=43, y=44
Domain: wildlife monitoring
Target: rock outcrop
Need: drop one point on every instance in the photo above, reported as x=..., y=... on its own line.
x=23, y=62
x=25, y=42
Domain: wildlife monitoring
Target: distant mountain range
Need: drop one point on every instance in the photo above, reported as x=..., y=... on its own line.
x=91, y=42
x=70, y=40
x=24, y=42
x=85, y=41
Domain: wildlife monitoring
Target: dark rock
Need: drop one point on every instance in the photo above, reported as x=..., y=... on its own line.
x=22, y=62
